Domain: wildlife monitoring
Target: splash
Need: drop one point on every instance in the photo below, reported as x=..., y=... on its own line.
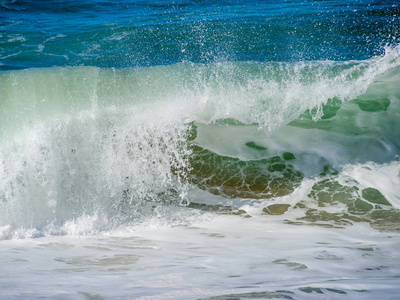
x=108, y=146
x=115, y=165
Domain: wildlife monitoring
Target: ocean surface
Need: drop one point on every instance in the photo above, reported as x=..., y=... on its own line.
x=199, y=149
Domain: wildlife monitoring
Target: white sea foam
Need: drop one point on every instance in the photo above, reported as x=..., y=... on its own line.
x=385, y=178
x=104, y=172
x=84, y=142
x=108, y=165
x=270, y=95
x=208, y=255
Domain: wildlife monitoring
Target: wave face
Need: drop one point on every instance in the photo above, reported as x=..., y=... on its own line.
x=114, y=143
x=111, y=111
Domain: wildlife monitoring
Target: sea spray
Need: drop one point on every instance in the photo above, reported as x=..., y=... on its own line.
x=111, y=165
x=199, y=149
x=268, y=94
x=113, y=144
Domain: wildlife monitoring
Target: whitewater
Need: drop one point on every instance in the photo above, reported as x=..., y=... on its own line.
x=199, y=150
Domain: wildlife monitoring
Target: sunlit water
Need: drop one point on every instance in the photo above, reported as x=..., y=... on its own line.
x=199, y=150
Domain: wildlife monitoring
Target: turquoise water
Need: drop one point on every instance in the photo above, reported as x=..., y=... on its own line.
x=199, y=150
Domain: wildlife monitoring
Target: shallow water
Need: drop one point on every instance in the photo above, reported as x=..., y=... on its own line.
x=188, y=255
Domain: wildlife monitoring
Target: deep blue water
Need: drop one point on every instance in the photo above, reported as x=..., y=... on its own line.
x=145, y=33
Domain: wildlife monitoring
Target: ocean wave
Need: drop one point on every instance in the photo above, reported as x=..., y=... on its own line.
x=267, y=94
x=116, y=144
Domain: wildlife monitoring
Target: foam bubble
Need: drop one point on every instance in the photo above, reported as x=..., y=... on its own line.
x=115, y=143
x=385, y=178
x=113, y=163
x=84, y=225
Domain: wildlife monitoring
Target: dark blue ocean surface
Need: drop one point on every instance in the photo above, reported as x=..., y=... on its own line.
x=132, y=33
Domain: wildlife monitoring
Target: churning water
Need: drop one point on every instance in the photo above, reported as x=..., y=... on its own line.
x=199, y=150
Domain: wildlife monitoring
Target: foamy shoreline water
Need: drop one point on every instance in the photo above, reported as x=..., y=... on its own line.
x=209, y=256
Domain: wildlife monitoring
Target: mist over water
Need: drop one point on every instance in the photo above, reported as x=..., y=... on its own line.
x=194, y=150
x=94, y=141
